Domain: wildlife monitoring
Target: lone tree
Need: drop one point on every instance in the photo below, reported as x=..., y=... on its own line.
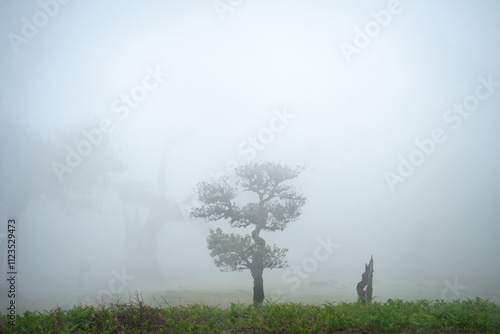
x=276, y=204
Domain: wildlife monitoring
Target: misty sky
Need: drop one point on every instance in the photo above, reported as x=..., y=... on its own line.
x=392, y=107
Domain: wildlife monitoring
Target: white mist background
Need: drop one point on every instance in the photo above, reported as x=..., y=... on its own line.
x=225, y=78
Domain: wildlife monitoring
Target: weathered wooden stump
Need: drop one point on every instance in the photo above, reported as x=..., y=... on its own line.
x=366, y=281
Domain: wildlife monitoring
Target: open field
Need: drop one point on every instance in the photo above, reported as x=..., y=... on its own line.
x=224, y=297
x=393, y=316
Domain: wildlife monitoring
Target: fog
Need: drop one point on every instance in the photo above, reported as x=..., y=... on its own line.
x=111, y=114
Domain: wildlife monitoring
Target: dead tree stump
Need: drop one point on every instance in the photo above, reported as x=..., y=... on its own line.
x=366, y=281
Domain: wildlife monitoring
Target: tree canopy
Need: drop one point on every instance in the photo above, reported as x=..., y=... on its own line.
x=277, y=204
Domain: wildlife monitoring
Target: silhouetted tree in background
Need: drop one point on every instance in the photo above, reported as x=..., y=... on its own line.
x=34, y=170
x=27, y=175
x=141, y=245
x=276, y=205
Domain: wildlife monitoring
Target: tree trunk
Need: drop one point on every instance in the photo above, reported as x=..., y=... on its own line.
x=258, y=268
x=366, y=281
x=258, y=287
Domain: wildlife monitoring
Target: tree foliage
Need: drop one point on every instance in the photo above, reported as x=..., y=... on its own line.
x=277, y=205
x=233, y=252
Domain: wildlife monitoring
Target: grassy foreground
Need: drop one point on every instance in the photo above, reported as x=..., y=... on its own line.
x=393, y=316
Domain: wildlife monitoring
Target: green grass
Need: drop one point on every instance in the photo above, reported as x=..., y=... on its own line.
x=393, y=316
